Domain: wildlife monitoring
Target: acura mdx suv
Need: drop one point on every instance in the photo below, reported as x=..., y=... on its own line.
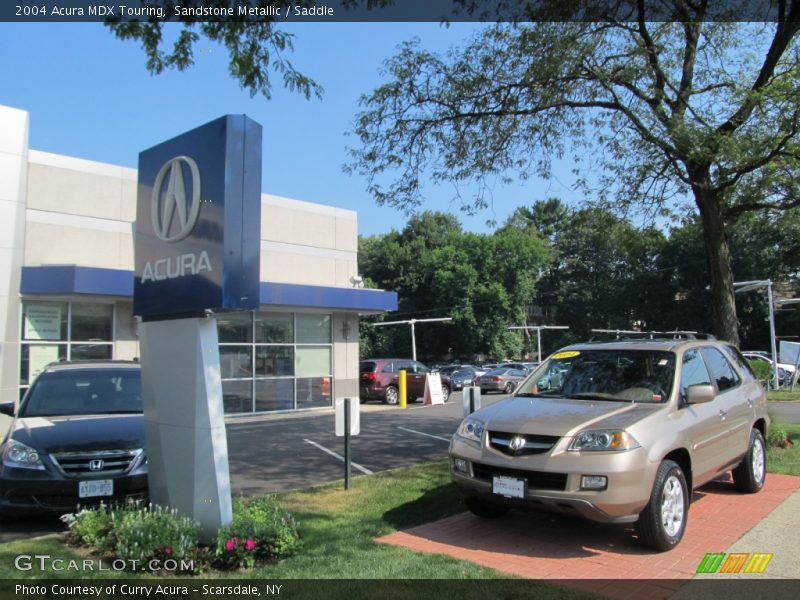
x=618, y=432
x=77, y=439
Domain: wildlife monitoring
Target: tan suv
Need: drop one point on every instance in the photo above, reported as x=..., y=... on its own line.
x=617, y=432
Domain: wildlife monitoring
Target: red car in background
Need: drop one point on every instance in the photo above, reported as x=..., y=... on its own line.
x=378, y=379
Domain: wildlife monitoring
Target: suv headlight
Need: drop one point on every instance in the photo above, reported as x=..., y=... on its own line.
x=21, y=456
x=603, y=440
x=471, y=429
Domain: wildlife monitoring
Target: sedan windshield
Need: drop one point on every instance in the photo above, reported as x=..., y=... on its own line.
x=84, y=392
x=622, y=375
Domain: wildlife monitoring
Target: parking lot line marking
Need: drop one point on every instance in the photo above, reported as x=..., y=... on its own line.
x=436, y=437
x=339, y=456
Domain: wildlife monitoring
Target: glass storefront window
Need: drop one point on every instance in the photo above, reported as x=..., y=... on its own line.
x=237, y=396
x=285, y=358
x=313, y=329
x=313, y=392
x=46, y=321
x=91, y=351
x=92, y=322
x=274, y=328
x=236, y=362
x=235, y=327
x=313, y=361
x=274, y=394
x=35, y=357
x=275, y=360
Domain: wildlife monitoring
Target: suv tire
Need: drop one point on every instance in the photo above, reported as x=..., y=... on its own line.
x=391, y=395
x=445, y=392
x=662, y=523
x=751, y=473
x=485, y=510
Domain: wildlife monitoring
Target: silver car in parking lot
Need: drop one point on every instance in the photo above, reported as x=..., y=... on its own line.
x=502, y=379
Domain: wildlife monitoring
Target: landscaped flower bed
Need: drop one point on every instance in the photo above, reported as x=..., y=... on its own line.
x=158, y=539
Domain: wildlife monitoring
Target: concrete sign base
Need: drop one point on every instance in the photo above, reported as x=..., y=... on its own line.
x=187, y=450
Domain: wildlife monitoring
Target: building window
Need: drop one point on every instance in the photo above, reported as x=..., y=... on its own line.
x=53, y=331
x=275, y=361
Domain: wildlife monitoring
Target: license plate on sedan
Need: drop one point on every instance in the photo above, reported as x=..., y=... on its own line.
x=510, y=487
x=96, y=487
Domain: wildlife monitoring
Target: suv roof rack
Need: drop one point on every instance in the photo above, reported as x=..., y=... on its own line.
x=621, y=334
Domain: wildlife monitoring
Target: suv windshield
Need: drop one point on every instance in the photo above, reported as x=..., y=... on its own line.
x=84, y=392
x=627, y=375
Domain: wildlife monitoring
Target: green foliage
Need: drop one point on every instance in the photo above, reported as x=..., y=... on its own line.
x=151, y=532
x=92, y=527
x=761, y=369
x=777, y=436
x=261, y=530
x=483, y=282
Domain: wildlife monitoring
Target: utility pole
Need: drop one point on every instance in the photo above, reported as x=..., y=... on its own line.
x=747, y=286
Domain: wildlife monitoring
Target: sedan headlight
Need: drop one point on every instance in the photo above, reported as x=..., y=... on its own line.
x=19, y=455
x=471, y=429
x=603, y=440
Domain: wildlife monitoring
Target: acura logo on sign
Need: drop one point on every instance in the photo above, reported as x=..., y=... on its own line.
x=96, y=465
x=174, y=215
x=517, y=443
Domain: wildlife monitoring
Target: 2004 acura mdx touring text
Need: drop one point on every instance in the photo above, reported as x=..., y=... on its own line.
x=618, y=432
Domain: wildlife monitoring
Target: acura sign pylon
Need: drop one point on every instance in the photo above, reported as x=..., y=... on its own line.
x=197, y=247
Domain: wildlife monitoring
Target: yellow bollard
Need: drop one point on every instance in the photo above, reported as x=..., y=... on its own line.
x=403, y=388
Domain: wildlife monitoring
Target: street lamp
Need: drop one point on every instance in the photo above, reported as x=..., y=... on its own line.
x=538, y=329
x=412, y=322
x=748, y=286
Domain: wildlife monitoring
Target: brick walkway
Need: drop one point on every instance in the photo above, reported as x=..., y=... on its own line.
x=546, y=546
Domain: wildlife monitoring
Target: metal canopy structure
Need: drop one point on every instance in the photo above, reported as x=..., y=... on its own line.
x=412, y=322
x=538, y=329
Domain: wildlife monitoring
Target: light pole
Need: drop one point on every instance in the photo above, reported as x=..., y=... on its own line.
x=538, y=329
x=747, y=286
x=412, y=322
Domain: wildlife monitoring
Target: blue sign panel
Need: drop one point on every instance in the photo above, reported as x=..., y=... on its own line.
x=198, y=221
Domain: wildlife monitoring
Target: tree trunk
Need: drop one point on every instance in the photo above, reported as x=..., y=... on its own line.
x=718, y=257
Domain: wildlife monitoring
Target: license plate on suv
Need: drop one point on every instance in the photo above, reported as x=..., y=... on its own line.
x=510, y=487
x=96, y=487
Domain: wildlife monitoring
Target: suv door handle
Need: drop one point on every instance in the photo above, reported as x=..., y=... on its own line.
x=723, y=414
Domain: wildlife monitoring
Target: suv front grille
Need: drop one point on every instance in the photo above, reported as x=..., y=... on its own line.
x=538, y=480
x=98, y=463
x=534, y=444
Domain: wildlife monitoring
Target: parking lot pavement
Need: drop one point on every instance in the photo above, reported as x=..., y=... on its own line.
x=788, y=411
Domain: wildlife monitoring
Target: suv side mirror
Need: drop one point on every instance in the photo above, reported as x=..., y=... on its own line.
x=700, y=393
x=7, y=408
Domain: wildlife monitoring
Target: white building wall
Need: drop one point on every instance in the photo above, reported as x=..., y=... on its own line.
x=13, y=177
x=60, y=210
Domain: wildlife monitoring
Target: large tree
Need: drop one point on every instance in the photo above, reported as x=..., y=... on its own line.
x=650, y=111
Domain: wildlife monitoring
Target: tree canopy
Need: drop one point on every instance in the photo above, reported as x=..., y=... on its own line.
x=648, y=112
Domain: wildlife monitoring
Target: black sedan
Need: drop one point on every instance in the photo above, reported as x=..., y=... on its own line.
x=463, y=377
x=76, y=440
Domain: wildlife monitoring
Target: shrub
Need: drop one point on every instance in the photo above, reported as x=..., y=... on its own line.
x=92, y=527
x=777, y=437
x=151, y=532
x=261, y=530
x=762, y=370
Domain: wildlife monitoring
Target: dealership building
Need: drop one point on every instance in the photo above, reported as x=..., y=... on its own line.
x=67, y=279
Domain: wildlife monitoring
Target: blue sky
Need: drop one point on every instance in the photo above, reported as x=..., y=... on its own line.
x=89, y=95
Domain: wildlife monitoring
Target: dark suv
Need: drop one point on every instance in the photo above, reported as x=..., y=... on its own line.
x=378, y=379
x=77, y=439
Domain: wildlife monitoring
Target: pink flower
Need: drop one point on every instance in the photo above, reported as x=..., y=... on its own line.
x=250, y=545
x=167, y=550
x=231, y=544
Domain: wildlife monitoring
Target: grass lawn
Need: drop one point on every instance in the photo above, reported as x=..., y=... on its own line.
x=338, y=529
x=785, y=460
x=784, y=395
